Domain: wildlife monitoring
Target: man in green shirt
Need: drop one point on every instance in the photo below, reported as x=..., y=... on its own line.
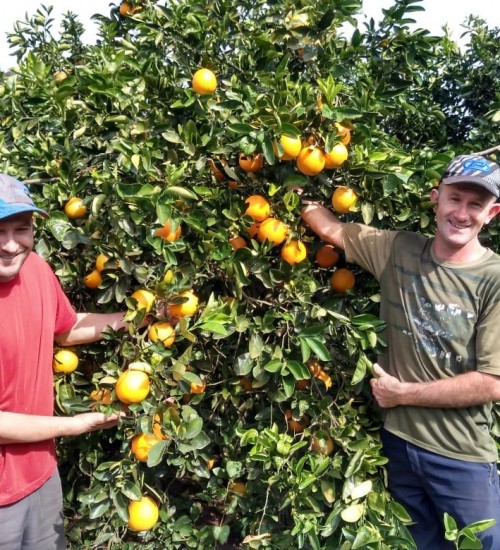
x=436, y=383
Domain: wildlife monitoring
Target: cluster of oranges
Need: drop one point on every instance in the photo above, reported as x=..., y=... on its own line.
x=268, y=228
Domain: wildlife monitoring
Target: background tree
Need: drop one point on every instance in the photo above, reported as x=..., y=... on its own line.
x=251, y=423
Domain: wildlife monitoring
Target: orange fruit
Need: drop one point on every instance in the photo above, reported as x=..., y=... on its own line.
x=344, y=133
x=294, y=252
x=198, y=388
x=127, y=9
x=237, y=487
x=302, y=384
x=343, y=199
x=75, y=208
x=204, y=81
x=102, y=395
x=100, y=262
x=186, y=308
x=59, y=76
x=318, y=372
x=167, y=233
x=93, y=279
x=143, y=514
x=273, y=230
x=311, y=161
x=342, y=279
x=297, y=426
x=132, y=386
x=251, y=163
x=246, y=383
x=237, y=242
x=162, y=332
x=168, y=277
x=291, y=147
x=336, y=157
x=258, y=208
x=217, y=172
x=322, y=443
x=141, y=444
x=144, y=299
x=253, y=230
x=327, y=256
x=65, y=361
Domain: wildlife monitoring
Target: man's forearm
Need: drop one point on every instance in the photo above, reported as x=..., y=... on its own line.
x=324, y=223
x=26, y=428
x=89, y=327
x=465, y=390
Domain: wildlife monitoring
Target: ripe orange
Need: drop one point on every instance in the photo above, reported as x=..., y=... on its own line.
x=302, y=384
x=187, y=308
x=291, y=147
x=65, y=361
x=102, y=395
x=258, y=208
x=322, y=443
x=311, y=161
x=273, y=230
x=163, y=332
x=253, y=230
x=132, y=386
x=75, y=208
x=297, y=426
x=198, y=388
x=204, y=81
x=143, y=514
x=343, y=199
x=141, y=444
x=319, y=373
x=238, y=487
x=344, y=133
x=144, y=298
x=337, y=156
x=217, y=172
x=93, y=279
x=294, y=252
x=127, y=9
x=251, y=163
x=100, y=262
x=342, y=279
x=237, y=242
x=167, y=233
x=59, y=76
x=327, y=256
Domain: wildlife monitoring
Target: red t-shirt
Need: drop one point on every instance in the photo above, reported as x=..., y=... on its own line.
x=33, y=308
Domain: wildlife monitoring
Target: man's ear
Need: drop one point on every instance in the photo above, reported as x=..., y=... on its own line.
x=494, y=211
x=434, y=194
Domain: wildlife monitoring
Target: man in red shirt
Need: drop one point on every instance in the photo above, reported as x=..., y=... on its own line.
x=34, y=313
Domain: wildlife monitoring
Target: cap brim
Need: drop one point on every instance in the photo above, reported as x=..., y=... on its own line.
x=471, y=180
x=8, y=210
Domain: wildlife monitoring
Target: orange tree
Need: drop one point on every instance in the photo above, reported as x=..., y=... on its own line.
x=254, y=393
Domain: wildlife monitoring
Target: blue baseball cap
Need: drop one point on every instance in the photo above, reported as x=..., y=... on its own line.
x=15, y=198
x=475, y=170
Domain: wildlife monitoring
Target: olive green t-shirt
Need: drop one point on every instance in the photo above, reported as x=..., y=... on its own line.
x=442, y=320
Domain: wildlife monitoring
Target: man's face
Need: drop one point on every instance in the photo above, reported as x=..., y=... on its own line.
x=16, y=243
x=461, y=212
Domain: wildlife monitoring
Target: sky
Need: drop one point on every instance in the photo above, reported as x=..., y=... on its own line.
x=437, y=13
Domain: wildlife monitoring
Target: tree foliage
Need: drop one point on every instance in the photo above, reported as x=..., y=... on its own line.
x=118, y=124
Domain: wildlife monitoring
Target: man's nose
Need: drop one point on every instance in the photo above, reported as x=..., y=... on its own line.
x=8, y=243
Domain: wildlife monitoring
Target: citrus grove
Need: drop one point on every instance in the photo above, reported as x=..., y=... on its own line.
x=173, y=157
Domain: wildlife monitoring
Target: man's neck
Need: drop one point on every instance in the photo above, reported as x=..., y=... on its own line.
x=471, y=252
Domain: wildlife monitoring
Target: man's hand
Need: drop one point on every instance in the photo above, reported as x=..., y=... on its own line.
x=92, y=421
x=386, y=388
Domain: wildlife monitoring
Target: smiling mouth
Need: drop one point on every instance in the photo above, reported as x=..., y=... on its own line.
x=458, y=226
